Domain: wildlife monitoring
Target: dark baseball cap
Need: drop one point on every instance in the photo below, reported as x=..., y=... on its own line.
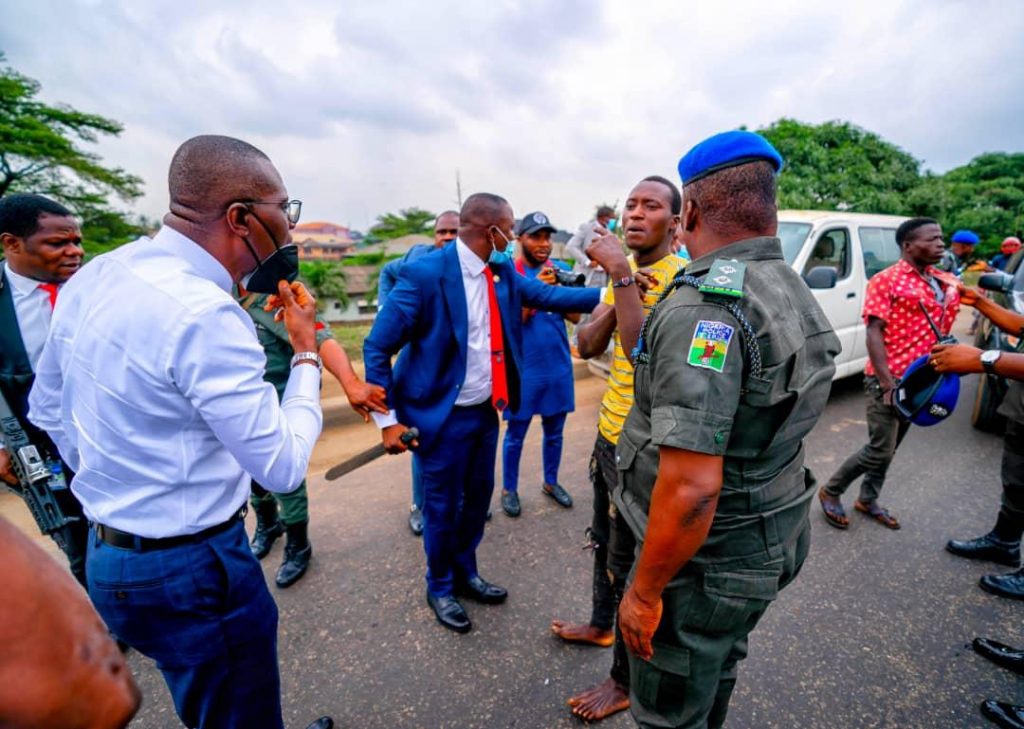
x=534, y=223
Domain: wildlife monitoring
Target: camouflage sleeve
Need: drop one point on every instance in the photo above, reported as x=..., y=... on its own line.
x=696, y=373
x=323, y=331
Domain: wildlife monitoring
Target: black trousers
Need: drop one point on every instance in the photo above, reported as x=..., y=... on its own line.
x=1012, y=510
x=614, y=552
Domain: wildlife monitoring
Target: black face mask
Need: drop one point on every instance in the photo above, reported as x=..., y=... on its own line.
x=283, y=263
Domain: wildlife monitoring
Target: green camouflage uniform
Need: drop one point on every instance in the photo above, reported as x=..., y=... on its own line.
x=273, y=338
x=705, y=389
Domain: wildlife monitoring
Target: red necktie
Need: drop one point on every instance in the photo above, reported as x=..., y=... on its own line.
x=51, y=289
x=499, y=379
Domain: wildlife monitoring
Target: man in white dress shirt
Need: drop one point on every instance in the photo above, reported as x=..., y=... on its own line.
x=151, y=385
x=42, y=246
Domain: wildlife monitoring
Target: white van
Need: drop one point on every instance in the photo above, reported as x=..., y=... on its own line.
x=854, y=245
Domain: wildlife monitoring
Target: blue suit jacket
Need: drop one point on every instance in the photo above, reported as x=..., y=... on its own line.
x=426, y=315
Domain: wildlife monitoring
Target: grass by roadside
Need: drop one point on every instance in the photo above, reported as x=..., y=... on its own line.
x=351, y=336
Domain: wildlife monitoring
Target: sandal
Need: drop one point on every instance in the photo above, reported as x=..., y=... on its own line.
x=879, y=514
x=835, y=514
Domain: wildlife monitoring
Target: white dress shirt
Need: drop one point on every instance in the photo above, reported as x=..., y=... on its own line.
x=32, y=307
x=151, y=385
x=476, y=387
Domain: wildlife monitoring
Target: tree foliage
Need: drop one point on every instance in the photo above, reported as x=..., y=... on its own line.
x=839, y=166
x=325, y=280
x=406, y=222
x=41, y=152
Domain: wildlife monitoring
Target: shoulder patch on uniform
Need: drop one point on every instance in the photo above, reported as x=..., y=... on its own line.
x=710, y=345
x=725, y=278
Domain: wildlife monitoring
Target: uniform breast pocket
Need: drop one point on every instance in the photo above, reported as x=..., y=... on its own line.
x=729, y=600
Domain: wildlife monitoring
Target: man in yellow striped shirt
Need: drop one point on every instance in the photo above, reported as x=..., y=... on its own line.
x=649, y=220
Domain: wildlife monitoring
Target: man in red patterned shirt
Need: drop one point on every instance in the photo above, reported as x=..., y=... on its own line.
x=898, y=332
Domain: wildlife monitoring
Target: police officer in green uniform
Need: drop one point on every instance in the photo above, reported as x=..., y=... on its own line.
x=733, y=368
x=293, y=518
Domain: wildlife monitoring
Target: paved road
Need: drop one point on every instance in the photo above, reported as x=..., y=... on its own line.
x=874, y=633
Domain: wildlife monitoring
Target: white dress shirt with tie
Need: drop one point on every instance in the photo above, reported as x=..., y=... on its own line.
x=151, y=385
x=476, y=387
x=32, y=307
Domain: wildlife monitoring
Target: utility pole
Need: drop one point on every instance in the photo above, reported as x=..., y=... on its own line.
x=458, y=187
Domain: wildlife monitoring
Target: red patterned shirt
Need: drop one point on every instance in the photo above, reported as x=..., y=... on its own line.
x=895, y=296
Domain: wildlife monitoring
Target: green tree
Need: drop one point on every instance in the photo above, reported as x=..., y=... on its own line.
x=837, y=165
x=405, y=222
x=325, y=280
x=40, y=152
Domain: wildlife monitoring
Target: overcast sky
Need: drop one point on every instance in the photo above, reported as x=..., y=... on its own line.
x=558, y=105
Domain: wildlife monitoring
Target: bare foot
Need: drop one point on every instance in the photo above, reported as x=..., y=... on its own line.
x=600, y=702
x=582, y=634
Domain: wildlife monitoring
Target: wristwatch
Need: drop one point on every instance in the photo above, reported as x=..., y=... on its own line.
x=621, y=283
x=989, y=359
x=308, y=357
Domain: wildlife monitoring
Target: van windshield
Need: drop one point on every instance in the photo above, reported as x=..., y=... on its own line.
x=793, y=236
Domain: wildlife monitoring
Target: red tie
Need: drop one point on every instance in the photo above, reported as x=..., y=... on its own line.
x=499, y=379
x=51, y=289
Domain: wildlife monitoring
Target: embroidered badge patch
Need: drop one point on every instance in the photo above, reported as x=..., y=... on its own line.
x=710, y=345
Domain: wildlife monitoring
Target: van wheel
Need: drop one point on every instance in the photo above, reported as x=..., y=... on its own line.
x=986, y=401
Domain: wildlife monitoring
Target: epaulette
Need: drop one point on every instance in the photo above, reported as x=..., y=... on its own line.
x=724, y=278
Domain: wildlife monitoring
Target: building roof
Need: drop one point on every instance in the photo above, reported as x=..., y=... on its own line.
x=359, y=280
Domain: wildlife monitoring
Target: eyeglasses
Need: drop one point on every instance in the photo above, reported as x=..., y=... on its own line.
x=291, y=208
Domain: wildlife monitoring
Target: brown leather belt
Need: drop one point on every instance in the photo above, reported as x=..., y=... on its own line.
x=126, y=540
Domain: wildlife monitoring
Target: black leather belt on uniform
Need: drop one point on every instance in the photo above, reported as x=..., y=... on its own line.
x=125, y=540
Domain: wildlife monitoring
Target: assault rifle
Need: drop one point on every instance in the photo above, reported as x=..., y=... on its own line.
x=37, y=476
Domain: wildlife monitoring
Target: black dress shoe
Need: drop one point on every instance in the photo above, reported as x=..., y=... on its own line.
x=556, y=492
x=479, y=589
x=1000, y=654
x=416, y=521
x=510, y=503
x=1011, y=585
x=449, y=613
x=324, y=722
x=1002, y=714
x=986, y=547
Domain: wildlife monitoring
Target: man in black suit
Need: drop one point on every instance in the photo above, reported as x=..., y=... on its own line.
x=42, y=247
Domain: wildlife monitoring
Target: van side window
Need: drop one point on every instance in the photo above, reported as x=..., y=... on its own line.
x=833, y=251
x=880, y=249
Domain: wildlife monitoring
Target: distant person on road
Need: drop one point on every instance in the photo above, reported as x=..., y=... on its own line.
x=548, y=389
x=446, y=229
x=151, y=385
x=649, y=218
x=1002, y=543
x=961, y=246
x=711, y=475
x=576, y=248
x=456, y=313
x=288, y=513
x=1007, y=248
x=900, y=305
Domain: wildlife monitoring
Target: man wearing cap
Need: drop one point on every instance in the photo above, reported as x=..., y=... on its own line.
x=961, y=246
x=711, y=458
x=446, y=228
x=902, y=304
x=1007, y=248
x=546, y=372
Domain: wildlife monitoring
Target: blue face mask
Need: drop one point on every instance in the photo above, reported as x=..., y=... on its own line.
x=498, y=257
x=611, y=225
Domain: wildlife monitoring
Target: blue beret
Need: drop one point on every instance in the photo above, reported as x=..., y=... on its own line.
x=967, y=237
x=724, y=150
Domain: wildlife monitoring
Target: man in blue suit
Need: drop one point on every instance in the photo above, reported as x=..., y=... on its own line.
x=456, y=312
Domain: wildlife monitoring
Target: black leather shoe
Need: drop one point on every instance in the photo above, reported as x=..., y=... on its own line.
x=1003, y=714
x=324, y=722
x=986, y=547
x=510, y=503
x=416, y=522
x=556, y=492
x=268, y=528
x=297, y=553
x=1011, y=585
x=479, y=589
x=1000, y=654
x=449, y=613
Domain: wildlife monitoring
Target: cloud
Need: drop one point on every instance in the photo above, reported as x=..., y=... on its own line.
x=371, y=106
